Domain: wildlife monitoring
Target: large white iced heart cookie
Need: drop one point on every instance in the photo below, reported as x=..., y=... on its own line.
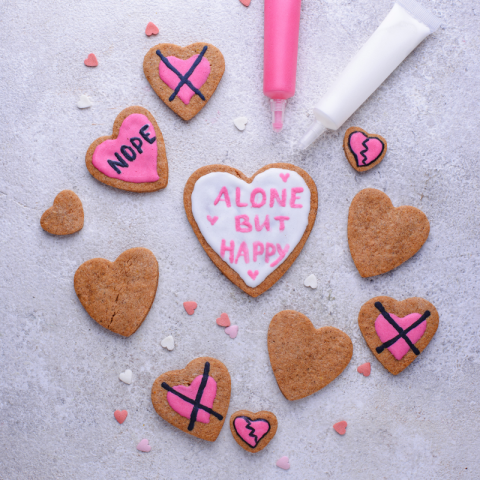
x=252, y=228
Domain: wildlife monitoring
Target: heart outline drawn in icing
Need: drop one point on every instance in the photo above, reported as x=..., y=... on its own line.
x=363, y=150
x=161, y=164
x=222, y=265
x=369, y=314
x=151, y=66
x=253, y=431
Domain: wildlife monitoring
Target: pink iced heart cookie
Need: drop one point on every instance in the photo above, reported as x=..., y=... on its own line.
x=223, y=320
x=253, y=431
x=133, y=158
x=190, y=307
x=120, y=416
x=363, y=151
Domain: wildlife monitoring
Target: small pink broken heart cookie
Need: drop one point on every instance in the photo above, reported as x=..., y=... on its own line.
x=184, y=78
x=363, y=151
x=223, y=320
x=397, y=332
x=341, y=427
x=253, y=431
x=133, y=158
x=143, y=446
x=190, y=307
x=283, y=463
x=91, y=60
x=194, y=399
x=365, y=369
x=151, y=29
x=120, y=415
x=232, y=331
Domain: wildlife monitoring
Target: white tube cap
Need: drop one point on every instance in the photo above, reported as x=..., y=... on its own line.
x=316, y=129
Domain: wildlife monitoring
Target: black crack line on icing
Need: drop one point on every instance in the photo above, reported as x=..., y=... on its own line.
x=252, y=430
x=362, y=153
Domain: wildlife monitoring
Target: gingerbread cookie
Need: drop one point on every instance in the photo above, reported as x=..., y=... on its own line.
x=305, y=359
x=253, y=228
x=380, y=236
x=133, y=158
x=363, y=151
x=65, y=216
x=253, y=431
x=194, y=399
x=397, y=332
x=118, y=295
x=184, y=78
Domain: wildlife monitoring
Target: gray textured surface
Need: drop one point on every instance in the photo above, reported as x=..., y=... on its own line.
x=59, y=369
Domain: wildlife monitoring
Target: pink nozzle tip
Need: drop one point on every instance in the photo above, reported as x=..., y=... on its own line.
x=278, y=121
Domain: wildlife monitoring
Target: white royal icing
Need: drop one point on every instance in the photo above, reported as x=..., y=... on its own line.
x=207, y=190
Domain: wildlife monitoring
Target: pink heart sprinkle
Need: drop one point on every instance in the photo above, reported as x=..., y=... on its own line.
x=212, y=220
x=120, y=416
x=253, y=275
x=341, y=427
x=283, y=463
x=245, y=2
x=232, y=331
x=284, y=176
x=143, y=446
x=365, y=369
x=365, y=149
x=223, y=320
x=190, y=307
x=151, y=29
x=91, y=60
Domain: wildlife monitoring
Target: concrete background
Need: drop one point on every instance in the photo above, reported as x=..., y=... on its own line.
x=59, y=370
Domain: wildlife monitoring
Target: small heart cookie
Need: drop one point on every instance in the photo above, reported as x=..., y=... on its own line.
x=194, y=399
x=118, y=295
x=305, y=359
x=65, y=216
x=253, y=431
x=184, y=78
x=397, y=332
x=133, y=158
x=380, y=236
x=363, y=151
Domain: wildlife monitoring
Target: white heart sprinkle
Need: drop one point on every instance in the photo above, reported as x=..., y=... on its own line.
x=84, y=102
x=168, y=342
x=311, y=281
x=240, y=123
x=126, y=377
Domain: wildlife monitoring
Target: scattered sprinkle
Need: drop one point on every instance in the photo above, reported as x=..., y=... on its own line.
x=240, y=122
x=190, y=307
x=341, y=427
x=232, y=331
x=245, y=2
x=91, y=60
x=168, y=342
x=120, y=416
x=283, y=463
x=151, y=29
x=84, y=102
x=126, y=377
x=365, y=369
x=223, y=320
x=311, y=281
x=143, y=446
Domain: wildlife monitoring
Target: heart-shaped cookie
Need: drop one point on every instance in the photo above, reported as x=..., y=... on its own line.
x=363, y=151
x=380, y=236
x=253, y=431
x=194, y=399
x=184, y=77
x=397, y=332
x=305, y=359
x=65, y=216
x=133, y=158
x=118, y=295
x=263, y=221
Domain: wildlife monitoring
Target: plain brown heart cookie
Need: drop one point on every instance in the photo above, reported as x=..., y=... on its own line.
x=380, y=236
x=118, y=295
x=253, y=229
x=305, y=359
x=362, y=149
x=184, y=77
x=253, y=431
x=133, y=158
x=194, y=399
x=397, y=332
x=65, y=216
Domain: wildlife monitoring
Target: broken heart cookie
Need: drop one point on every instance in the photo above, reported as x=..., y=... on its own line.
x=397, y=332
x=253, y=431
x=363, y=151
x=118, y=295
x=184, y=78
x=253, y=228
x=133, y=158
x=305, y=359
x=194, y=399
x=65, y=216
x=380, y=236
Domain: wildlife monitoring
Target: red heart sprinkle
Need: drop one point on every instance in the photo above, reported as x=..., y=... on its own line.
x=151, y=29
x=223, y=320
x=365, y=369
x=91, y=60
x=341, y=427
x=120, y=416
x=190, y=307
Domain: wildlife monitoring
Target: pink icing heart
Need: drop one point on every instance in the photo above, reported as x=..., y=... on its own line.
x=386, y=332
x=284, y=176
x=197, y=78
x=232, y=331
x=185, y=408
x=365, y=149
x=212, y=220
x=253, y=275
x=251, y=431
x=132, y=156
